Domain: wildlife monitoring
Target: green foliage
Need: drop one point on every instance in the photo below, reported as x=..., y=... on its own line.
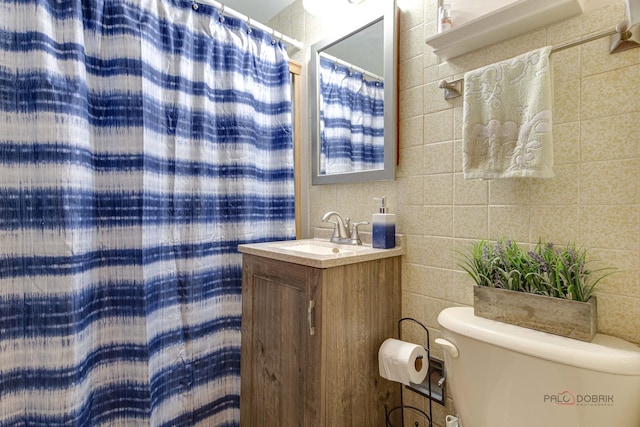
x=546, y=270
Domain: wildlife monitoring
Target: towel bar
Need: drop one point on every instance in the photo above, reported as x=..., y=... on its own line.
x=622, y=38
x=452, y=89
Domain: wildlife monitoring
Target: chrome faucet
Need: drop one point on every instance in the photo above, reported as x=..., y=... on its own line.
x=341, y=233
x=340, y=226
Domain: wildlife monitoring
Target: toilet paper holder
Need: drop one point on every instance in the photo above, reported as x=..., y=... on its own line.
x=432, y=387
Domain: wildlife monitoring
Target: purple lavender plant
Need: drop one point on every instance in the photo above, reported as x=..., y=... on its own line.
x=545, y=270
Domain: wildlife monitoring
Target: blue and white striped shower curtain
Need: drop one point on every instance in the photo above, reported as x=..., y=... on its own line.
x=140, y=142
x=351, y=120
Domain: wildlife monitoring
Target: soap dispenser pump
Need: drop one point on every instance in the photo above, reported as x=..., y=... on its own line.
x=384, y=227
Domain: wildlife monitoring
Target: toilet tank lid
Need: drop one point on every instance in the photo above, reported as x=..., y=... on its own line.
x=604, y=354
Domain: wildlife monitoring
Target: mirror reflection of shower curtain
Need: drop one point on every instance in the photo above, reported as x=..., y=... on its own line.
x=141, y=143
x=351, y=120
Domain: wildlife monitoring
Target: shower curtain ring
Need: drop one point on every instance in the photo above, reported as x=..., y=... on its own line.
x=248, y=25
x=221, y=12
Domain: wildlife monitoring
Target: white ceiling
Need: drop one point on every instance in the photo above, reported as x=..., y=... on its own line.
x=260, y=10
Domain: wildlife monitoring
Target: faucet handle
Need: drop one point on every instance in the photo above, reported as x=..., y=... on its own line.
x=355, y=236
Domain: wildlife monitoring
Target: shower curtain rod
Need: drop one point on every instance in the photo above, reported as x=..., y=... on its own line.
x=251, y=22
x=351, y=66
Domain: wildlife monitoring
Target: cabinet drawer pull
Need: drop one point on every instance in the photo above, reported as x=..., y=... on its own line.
x=310, y=316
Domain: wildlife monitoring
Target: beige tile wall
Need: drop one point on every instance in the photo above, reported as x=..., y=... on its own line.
x=594, y=200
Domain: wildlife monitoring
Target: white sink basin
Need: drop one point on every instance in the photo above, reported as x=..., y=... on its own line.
x=319, y=253
x=315, y=249
x=318, y=247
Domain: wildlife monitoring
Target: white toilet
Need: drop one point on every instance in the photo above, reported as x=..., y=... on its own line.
x=502, y=375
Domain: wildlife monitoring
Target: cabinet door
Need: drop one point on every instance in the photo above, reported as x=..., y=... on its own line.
x=280, y=357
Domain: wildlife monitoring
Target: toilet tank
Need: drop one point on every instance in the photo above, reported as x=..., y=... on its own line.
x=505, y=375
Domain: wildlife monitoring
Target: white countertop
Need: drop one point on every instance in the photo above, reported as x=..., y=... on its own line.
x=344, y=254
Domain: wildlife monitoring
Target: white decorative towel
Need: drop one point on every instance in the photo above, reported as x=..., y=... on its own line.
x=507, y=118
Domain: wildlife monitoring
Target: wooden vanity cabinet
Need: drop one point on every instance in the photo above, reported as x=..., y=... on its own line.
x=310, y=340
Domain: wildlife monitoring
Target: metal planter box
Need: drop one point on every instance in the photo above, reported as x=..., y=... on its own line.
x=572, y=319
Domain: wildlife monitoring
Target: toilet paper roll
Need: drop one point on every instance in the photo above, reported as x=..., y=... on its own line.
x=402, y=361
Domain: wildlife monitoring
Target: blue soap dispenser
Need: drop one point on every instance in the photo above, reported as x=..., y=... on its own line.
x=384, y=227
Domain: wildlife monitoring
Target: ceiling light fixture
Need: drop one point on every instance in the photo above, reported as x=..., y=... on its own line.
x=328, y=7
